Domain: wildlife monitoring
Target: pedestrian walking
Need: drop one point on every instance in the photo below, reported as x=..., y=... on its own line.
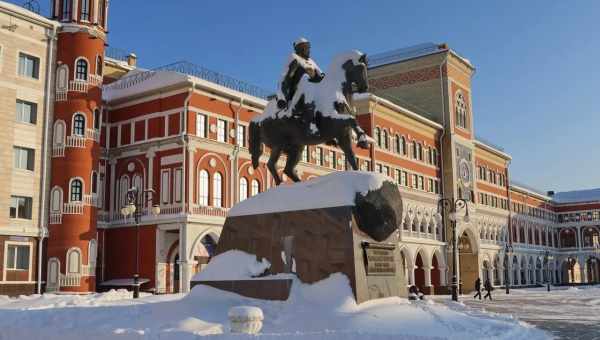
x=488, y=288
x=477, y=288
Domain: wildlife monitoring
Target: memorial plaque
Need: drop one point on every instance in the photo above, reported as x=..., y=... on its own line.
x=380, y=259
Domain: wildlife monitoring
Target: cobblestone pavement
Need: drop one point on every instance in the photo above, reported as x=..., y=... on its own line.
x=565, y=313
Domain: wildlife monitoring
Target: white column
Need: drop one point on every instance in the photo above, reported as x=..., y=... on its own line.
x=150, y=176
x=443, y=276
x=427, y=276
x=113, y=189
x=189, y=173
x=411, y=275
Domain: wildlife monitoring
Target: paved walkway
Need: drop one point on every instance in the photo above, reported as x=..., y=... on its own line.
x=565, y=313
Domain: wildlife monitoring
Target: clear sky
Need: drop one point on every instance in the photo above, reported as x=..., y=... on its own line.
x=537, y=61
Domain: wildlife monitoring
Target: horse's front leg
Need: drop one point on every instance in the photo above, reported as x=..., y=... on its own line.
x=272, y=164
x=293, y=157
x=345, y=143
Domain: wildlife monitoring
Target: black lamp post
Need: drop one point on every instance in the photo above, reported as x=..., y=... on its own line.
x=134, y=207
x=451, y=206
x=508, y=249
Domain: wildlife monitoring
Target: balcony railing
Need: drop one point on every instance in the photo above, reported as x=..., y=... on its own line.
x=209, y=211
x=78, y=86
x=95, y=80
x=418, y=234
x=92, y=134
x=73, y=208
x=70, y=280
x=88, y=270
x=90, y=200
x=61, y=95
x=58, y=150
x=55, y=218
x=75, y=141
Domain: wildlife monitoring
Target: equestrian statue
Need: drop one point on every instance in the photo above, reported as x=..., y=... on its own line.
x=311, y=108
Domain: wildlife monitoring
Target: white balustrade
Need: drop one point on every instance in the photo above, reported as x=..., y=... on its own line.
x=55, y=218
x=75, y=141
x=208, y=211
x=61, y=96
x=78, y=86
x=58, y=150
x=95, y=80
x=73, y=208
x=88, y=270
x=70, y=280
x=90, y=200
x=92, y=134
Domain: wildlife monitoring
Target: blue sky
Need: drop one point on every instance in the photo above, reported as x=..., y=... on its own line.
x=537, y=61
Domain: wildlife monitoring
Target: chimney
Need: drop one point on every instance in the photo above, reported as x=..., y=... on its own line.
x=132, y=59
x=551, y=193
x=443, y=46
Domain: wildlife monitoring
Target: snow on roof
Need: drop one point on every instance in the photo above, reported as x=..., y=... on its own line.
x=337, y=189
x=577, y=196
x=138, y=81
x=411, y=52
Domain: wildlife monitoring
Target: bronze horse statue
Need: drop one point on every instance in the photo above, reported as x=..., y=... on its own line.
x=328, y=105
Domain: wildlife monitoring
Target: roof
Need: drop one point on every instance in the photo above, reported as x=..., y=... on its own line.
x=411, y=52
x=529, y=189
x=27, y=14
x=577, y=196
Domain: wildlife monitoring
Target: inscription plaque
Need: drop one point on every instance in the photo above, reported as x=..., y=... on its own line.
x=379, y=259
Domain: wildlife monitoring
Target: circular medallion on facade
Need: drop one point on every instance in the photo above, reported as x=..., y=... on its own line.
x=212, y=163
x=130, y=167
x=232, y=133
x=213, y=128
x=250, y=171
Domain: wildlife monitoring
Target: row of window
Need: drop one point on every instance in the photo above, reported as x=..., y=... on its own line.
x=400, y=146
x=491, y=176
x=65, y=8
x=534, y=212
x=580, y=216
x=493, y=201
x=202, y=130
x=206, y=186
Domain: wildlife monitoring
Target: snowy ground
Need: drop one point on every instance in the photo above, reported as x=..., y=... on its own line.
x=324, y=310
x=567, y=313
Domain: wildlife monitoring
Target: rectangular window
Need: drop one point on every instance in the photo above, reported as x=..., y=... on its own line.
x=378, y=167
x=421, y=183
x=20, y=207
x=201, y=125
x=333, y=159
x=178, y=185
x=85, y=10
x=386, y=170
x=26, y=112
x=241, y=136
x=164, y=186
x=23, y=158
x=320, y=156
x=17, y=257
x=305, y=154
x=221, y=130
x=430, y=185
x=415, y=181
x=404, y=180
x=29, y=66
x=398, y=175
x=67, y=9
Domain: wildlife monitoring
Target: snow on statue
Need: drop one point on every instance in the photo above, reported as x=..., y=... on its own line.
x=312, y=111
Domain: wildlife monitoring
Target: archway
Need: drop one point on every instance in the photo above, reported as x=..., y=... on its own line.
x=404, y=267
x=515, y=268
x=419, y=273
x=176, y=274
x=485, y=271
x=538, y=271
x=593, y=270
x=571, y=271
x=468, y=262
x=496, y=271
x=523, y=271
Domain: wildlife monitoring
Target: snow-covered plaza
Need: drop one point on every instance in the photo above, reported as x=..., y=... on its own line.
x=325, y=310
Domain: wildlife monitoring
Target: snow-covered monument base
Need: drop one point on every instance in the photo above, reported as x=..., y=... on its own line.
x=344, y=222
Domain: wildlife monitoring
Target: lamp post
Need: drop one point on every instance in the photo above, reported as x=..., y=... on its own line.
x=548, y=258
x=508, y=249
x=451, y=206
x=134, y=207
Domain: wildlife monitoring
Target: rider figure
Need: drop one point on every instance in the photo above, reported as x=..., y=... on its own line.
x=299, y=63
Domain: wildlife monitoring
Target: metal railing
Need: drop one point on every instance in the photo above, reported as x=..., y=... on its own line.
x=116, y=53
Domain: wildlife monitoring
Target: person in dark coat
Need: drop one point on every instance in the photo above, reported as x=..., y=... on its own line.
x=477, y=288
x=488, y=288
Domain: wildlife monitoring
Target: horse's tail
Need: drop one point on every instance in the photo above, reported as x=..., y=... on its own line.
x=256, y=148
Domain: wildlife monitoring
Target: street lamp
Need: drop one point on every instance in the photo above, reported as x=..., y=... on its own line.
x=451, y=206
x=508, y=249
x=548, y=257
x=134, y=208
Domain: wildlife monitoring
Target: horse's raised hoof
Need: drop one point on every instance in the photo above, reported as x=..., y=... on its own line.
x=332, y=142
x=363, y=144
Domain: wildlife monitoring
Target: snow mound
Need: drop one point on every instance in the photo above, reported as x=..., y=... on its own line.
x=232, y=265
x=333, y=190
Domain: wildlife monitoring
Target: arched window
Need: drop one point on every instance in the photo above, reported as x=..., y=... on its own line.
x=67, y=9
x=56, y=199
x=99, y=65
x=385, y=139
x=461, y=110
x=255, y=187
x=419, y=151
x=76, y=193
x=403, y=145
x=203, y=188
x=102, y=13
x=415, y=150
x=79, y=124
x=81, y=69
x=85, y=10
x=93, y=253
x=217, y=190
x=97, y=119
x=74, y=261
x=62, y=77
x=94, y=182
x=378, y=136
x=243, y=189
x=59, y=133
x=397, y=147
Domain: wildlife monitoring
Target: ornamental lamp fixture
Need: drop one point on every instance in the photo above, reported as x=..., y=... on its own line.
x=155, y=210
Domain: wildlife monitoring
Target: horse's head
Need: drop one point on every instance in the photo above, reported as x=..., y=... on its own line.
x=355, y=68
